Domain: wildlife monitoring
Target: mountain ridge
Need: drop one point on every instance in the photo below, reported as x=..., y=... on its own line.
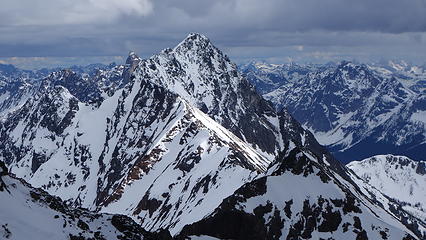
x=28, y=212
x=350, y=107
x=149, y=146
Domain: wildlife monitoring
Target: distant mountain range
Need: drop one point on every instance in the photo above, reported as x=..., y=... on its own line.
x=181, y=141
x=356, y=110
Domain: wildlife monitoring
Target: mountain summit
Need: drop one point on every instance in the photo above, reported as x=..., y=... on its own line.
x=181, y=140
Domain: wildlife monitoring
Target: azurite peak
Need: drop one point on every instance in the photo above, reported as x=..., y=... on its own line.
x=180, y=132
x=198, y=44
x=196, y=38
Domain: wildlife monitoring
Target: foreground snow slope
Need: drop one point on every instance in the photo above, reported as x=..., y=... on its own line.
x=30, y=213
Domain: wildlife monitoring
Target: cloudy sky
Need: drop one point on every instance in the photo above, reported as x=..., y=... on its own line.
x=80, y=31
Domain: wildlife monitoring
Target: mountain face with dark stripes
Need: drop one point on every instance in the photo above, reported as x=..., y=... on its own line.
x=181, y=140
x=356, y=110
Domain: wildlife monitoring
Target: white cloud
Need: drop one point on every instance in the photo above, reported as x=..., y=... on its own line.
x=299, y=47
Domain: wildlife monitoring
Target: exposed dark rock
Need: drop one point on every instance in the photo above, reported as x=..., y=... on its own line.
x=287, y=208
x=331, y=221
x=357, y=223
x=82, y=225
x=362, y=235
x=421, y=168
x=7, y=233
x=229, y=225
x=74, y=237
x=384, y=235
x=350, y=205
x=148, y=204
x=3, y=169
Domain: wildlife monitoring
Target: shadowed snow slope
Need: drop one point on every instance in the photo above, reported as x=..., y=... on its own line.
x=298, y=199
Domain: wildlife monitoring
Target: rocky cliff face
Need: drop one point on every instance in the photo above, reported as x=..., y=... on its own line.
x=90, y=155
x=270, y=207
x=201, y=74
x=357, y=110
x=94, y=147
x=166, y=139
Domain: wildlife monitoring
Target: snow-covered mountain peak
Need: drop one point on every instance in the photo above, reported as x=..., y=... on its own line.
x=84, y=89
x=268, y=76
x=398, y=177
x=177, y=134
x=356, y=77
x=121, y=155
x=351, y=106
x=352, y=67
x=193, y=41
x=267, y=66
x=393, y=161
x=197, y=48
x=399, y=65
x=201, y=74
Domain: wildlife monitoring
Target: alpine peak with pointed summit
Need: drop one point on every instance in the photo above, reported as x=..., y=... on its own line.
x=181, y=141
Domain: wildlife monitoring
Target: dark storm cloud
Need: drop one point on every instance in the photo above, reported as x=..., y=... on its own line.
x=392, y=16
x=265, y=28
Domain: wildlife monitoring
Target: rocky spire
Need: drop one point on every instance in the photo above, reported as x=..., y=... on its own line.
x=132, y=62
x=195, y=42
x=132, y=58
